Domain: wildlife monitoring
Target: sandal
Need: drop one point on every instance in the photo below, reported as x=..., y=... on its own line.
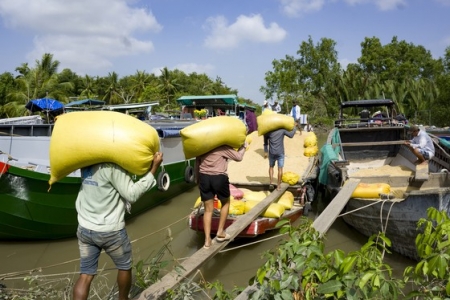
x=206, y=246
x=227, y=237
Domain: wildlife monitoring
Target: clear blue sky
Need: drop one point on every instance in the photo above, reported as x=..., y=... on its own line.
x=235, y=40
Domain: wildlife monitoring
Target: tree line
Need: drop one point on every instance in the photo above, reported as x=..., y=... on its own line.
x=406, y=73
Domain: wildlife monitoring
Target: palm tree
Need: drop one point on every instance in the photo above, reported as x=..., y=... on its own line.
x=167, y=85
x=112, y=92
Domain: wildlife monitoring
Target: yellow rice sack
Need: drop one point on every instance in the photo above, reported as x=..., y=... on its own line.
x=81, y=139
x=267, y=112
x=371, y=190
x=287, y=200
x=217, y=203
x=254, y=196
x=290, y=177
x=311, y=151
x=271, y=122
x=310, y=140
x=237, y=207
x=274, y=210
x=206, y=135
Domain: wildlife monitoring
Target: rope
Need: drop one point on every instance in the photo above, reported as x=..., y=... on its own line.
x=252, y=243
x=150, y=234
x=8, y=275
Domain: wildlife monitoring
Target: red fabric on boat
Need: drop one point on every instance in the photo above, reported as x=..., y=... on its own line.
x=235, y=192
x=3, y=168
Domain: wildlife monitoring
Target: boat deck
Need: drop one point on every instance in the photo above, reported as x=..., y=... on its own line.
x=253, y=170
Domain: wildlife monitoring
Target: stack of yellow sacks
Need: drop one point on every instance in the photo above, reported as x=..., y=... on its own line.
x=251, y=199
x=310, y=145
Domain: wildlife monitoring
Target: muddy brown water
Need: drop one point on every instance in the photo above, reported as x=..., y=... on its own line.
x=151, y=230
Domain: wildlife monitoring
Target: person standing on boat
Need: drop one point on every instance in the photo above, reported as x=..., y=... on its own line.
x=266, y=106
x=276, y=151
x=212, y=178
x=105, y=193
x=295, y=113
x=276, y=107
x=421, y=144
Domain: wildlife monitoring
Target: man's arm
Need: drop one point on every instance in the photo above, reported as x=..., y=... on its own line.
x=290, y=133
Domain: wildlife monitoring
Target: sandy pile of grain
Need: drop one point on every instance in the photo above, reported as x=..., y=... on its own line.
x=255, y=168
x=384, y=170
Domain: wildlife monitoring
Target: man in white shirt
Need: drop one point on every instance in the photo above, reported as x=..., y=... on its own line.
x=421, y=144
x=276, y=107
x=295, y=113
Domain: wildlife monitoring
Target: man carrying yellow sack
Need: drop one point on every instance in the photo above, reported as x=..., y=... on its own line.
x=275, y=141
x=106, y=192
x=212, y=178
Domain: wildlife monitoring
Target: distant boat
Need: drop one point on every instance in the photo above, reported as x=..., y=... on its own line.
x=28, y=211
x=394, y=193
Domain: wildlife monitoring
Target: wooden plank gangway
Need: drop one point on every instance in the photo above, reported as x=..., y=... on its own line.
x=190, y=265
x=322, y=223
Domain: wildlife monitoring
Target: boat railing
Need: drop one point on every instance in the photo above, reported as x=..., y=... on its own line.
x=27, y=120
x=365, y=123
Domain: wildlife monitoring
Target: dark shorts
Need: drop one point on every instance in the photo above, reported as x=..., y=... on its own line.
x=214, y=185
x=116, y=244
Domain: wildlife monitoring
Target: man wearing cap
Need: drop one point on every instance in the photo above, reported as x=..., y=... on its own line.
x=276, y=107
x=421, y=144
x=266, y=106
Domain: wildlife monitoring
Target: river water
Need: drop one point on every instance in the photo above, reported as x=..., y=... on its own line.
x=164, y=224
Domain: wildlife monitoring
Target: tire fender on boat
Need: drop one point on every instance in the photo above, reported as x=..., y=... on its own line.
x=189, y=176
x=163, y=181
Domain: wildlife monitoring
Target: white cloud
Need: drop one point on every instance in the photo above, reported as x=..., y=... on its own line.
x=246, y=28
x=294, y=8
x=381, y=4
x=188, y=68
x=83, y=35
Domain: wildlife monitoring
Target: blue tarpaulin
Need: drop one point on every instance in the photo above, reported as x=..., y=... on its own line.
x=44, y=104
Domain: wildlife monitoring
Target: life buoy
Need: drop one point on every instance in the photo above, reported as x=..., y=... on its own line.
x=189, y=176
x=163, y=181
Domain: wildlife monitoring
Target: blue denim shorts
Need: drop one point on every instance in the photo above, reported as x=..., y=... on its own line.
x=116, y=244
x=425, y=154
x=276, y=158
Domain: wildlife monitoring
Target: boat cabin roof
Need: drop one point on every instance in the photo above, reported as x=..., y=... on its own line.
x=367, y=103
x=220, y=101
x=85, y=102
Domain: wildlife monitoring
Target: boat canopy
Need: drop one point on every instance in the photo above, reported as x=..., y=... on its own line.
x=210, y=100
x=130, y=106
x=85, y=102
x=367, y=103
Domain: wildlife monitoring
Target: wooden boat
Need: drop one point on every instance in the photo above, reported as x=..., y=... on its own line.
x=30, y=211
x=373, y=151
x=304, y=194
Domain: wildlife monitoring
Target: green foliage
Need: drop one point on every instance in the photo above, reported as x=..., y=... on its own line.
x=300, y=268
x=431, y=274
